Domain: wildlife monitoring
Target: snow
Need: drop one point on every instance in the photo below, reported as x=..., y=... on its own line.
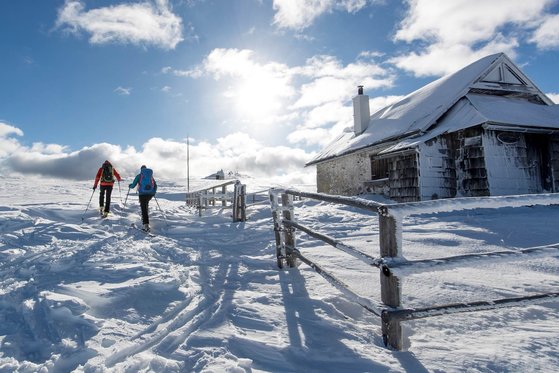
x=205, y=294
x=515, y=112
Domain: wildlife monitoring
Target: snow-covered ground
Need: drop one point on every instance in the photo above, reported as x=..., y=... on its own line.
x=204, y=294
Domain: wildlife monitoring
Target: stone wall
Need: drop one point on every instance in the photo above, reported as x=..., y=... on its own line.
x=344, y=175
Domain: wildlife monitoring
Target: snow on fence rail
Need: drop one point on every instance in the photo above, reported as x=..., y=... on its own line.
x=391, y=263
x=257, y=197
x=206, y=198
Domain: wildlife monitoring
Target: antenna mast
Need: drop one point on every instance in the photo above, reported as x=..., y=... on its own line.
x=187, y=164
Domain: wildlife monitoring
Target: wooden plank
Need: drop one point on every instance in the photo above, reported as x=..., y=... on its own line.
x=376, y=262
x=348, y=201
x=448, y=309
x=367, y=304
x=274, y=204
x=428, y=265
x=210, y=184
x=289, y=233
x=236, y=191
x=389, y=283
x=243, y=202
x=469, y=203
x=217, y=196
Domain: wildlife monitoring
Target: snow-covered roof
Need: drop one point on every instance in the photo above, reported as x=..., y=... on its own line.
x=515, y=112
x=474, y=109
x=415, y=117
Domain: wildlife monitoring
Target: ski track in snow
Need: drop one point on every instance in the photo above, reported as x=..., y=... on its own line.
x=203, y=293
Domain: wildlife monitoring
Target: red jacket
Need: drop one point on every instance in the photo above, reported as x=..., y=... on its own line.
x=105, y=183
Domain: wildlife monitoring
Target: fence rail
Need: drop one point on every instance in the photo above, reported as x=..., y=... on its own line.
x=391, y=263
x=217, y=193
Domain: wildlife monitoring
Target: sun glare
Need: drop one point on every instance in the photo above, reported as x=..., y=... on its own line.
x=257, y=99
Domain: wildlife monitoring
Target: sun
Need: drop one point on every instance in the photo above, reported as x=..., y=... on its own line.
x=259, y=98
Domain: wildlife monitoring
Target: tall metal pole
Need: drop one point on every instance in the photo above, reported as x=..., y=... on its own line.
x=187, y=164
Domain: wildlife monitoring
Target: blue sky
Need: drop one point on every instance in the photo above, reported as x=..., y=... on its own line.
x=257, y=85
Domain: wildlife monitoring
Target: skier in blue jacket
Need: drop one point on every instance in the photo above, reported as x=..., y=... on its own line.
x=147, y=187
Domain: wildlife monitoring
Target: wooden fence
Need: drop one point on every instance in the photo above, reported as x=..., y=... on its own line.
x=218, y=196
x=390, y=261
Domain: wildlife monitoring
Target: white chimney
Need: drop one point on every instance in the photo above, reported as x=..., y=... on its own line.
x=361, y=112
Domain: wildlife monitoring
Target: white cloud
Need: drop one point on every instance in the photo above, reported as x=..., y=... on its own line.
x=465, y=21
x=311, y=136
x=123, y=91
x=332, y=112
x=323, y=90
x=8, y=145
x=323, y=123
x=330, y=81
x=143, y=23
x=39, y=147
x=6, y=129
x=377, y=103
x=300, y=14
x=371, y=54
x=268, y=92
x=554, y=97
x=458, y=32
x=440, y=60
x=546, y=35
x=235, y=152
x=255, y=90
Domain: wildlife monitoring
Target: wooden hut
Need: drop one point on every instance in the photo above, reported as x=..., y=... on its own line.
x=484, y=130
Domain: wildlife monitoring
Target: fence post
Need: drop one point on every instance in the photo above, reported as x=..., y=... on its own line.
x=288, y=232
x=274, y=203
x=243, y=202
x=200, y=204
x=223, y=192
x=235, y=207
x=389, y=240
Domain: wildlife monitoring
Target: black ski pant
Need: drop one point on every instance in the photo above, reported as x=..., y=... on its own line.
x=144, y=200
x=105, y=194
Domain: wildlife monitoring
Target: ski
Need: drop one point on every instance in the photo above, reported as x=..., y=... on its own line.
x=147, y=233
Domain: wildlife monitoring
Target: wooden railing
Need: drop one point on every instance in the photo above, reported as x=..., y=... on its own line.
x=257, y=197
x=390, y=261
x=217, y=196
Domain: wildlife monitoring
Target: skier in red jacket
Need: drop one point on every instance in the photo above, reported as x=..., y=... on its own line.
x=106, y=174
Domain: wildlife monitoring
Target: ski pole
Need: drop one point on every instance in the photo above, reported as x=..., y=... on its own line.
x=88, y=203
x=164, y=216
x=126, y=196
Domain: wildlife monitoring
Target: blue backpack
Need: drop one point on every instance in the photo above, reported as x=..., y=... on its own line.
x=146, y=184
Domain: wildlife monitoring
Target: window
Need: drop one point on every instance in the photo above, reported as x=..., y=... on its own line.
x=379, y=168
